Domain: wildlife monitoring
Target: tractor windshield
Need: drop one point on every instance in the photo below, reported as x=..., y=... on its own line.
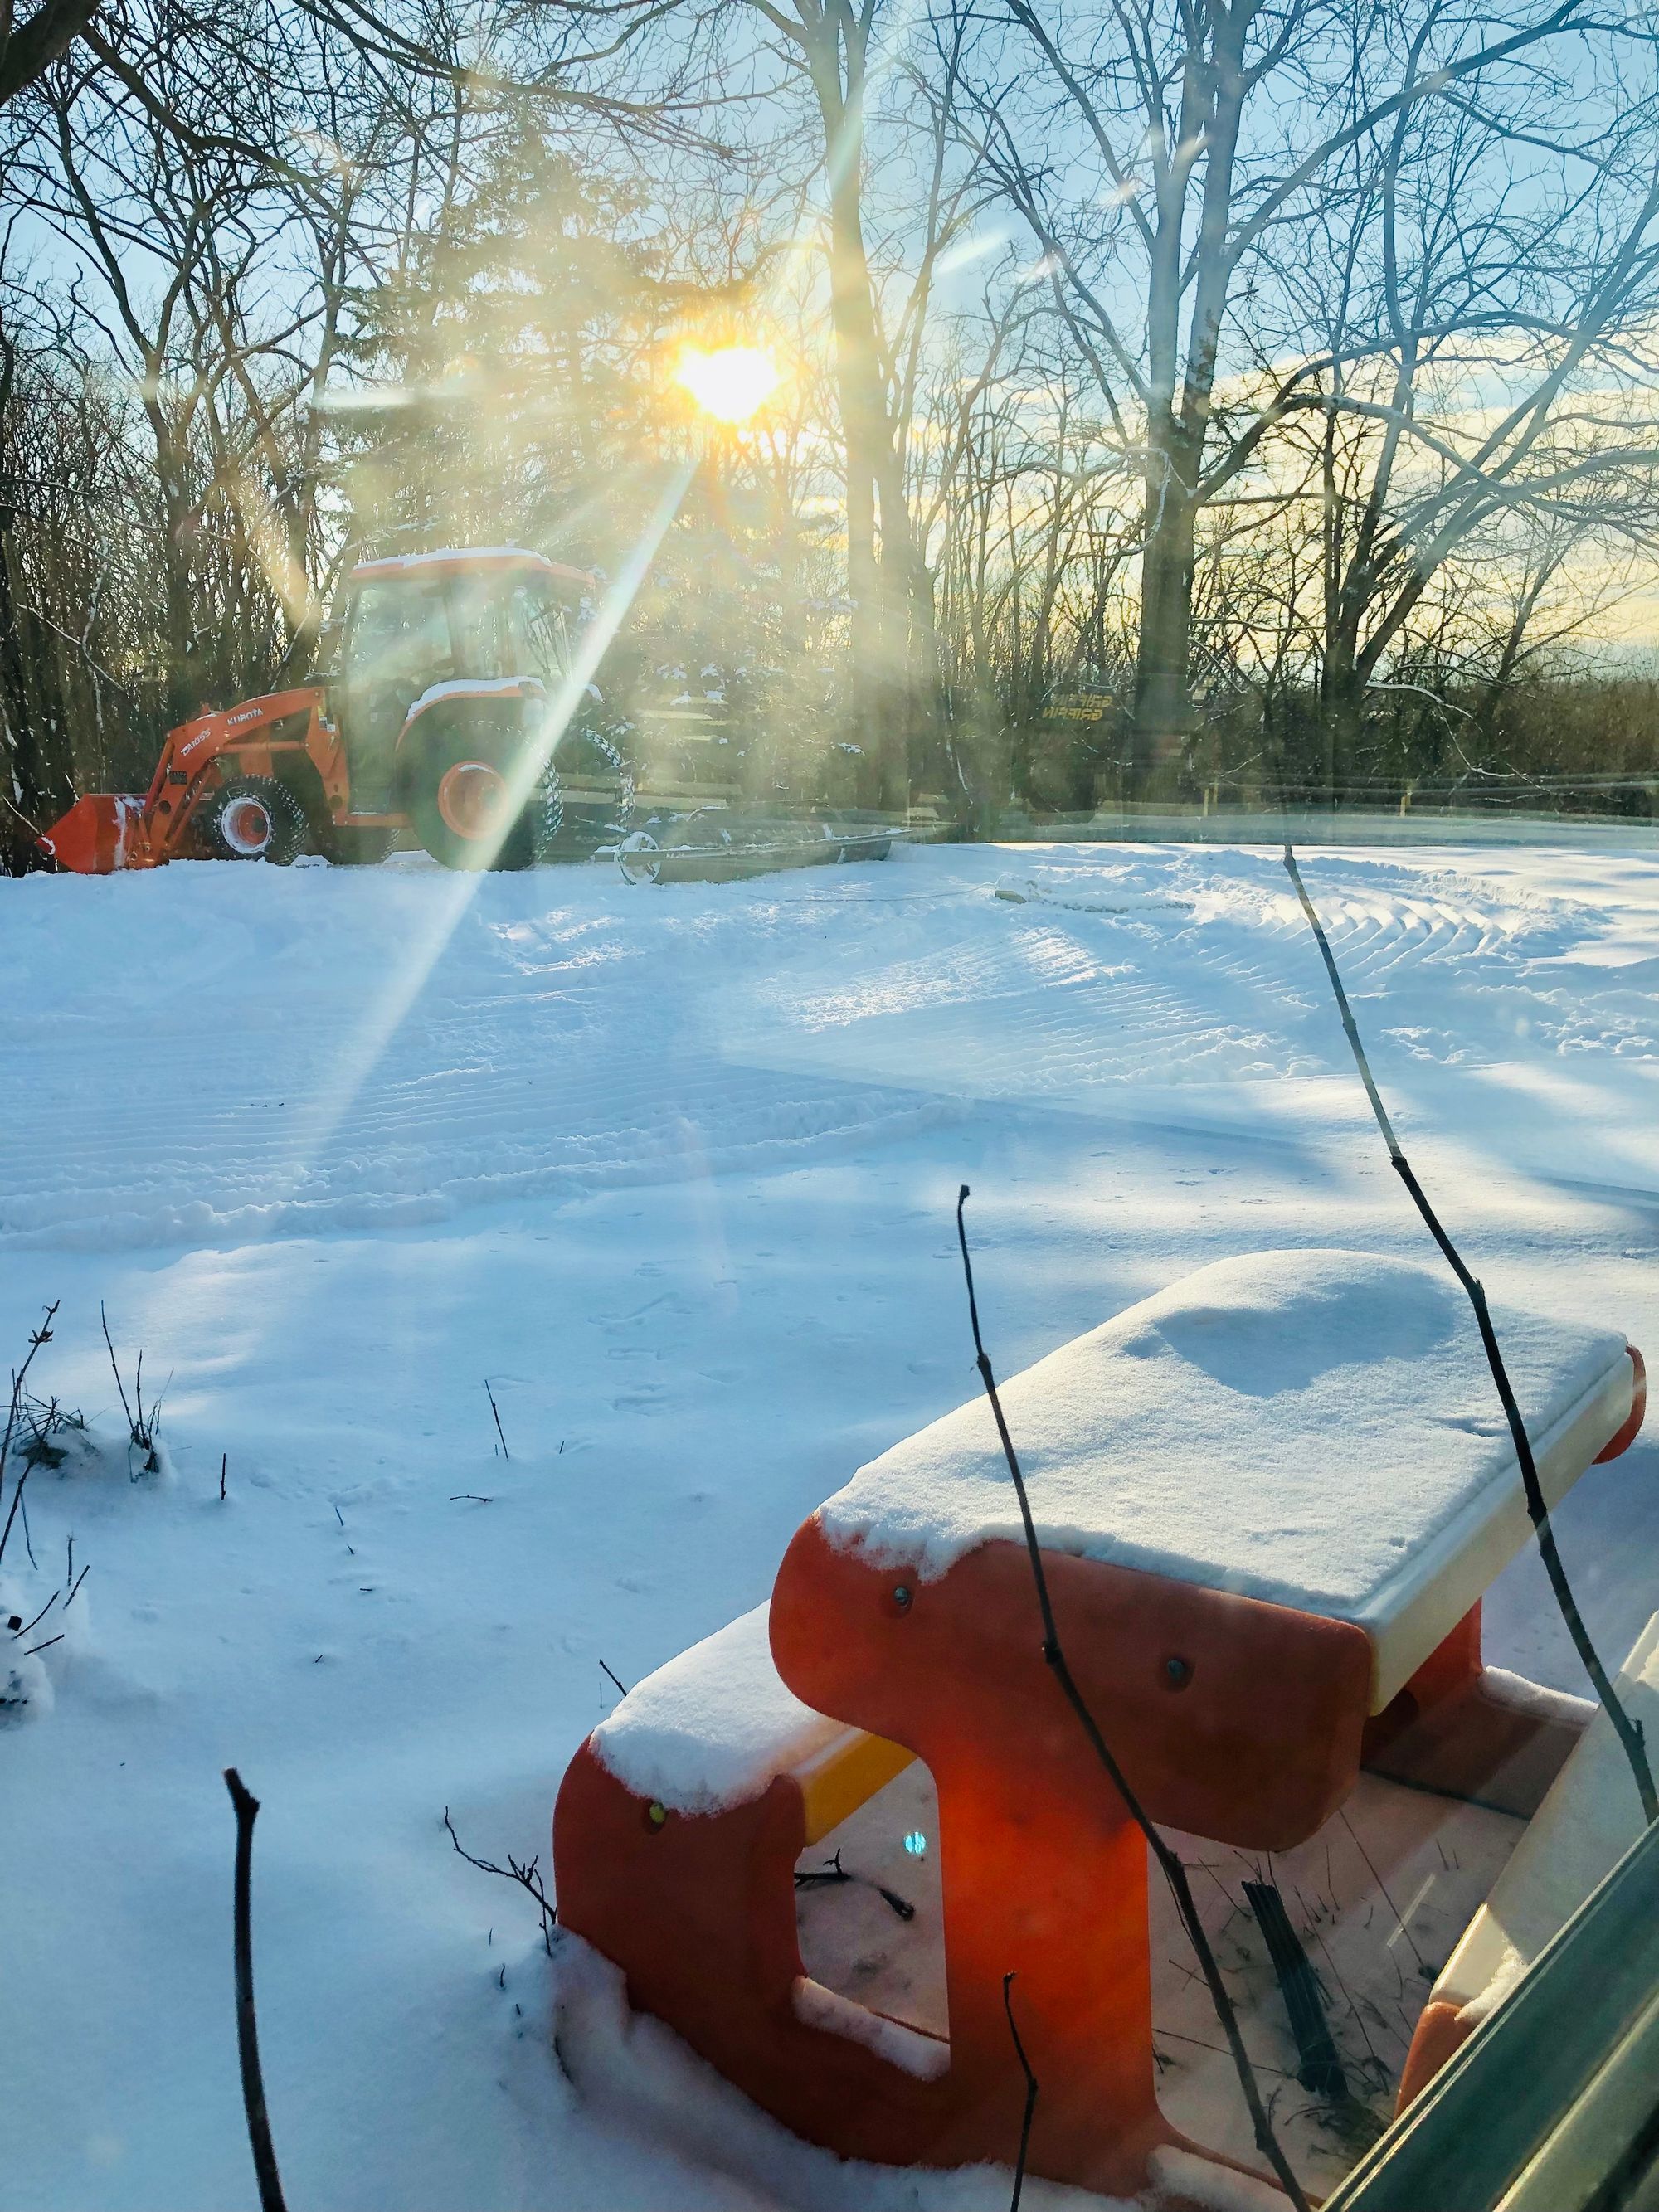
x=537, y=621
x=400, y=633
x=508, y=625
x=480, y=624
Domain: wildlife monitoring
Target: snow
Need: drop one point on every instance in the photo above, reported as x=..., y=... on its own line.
x=626, y=2066
x=676, y=1170
x=1199, y=2181
x=448, y=555
x=473, y=687
x=54, y=1628
x=1295, y=1426
x=922, y=2056
x=45, y=1607
x=713, y=1727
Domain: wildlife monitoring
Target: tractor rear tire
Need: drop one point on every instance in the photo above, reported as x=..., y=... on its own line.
x=457, y=804
x=251, y=817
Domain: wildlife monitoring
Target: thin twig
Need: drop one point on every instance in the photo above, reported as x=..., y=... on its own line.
x=1319, y=2069
x=247, y=2031
x=16, y=1499
x=37, y=1338
x=525, y=1873
x=19, y=1633
x=1383, y=1888
x=605, y=1670
x=1030, y=2093
x=1174, y=1873
x=1198, y=2044
x=115, y=1370
x=832, y=1871
x=1628, y=1731
x=496, y=1409
x=43, y=1420
x=820, y=1877
x=141, y=1427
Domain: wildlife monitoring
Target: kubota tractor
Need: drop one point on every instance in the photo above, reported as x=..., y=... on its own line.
x=436, y=713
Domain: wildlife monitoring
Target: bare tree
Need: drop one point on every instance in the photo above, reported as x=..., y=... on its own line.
x=28, y=49
x=1191, y=145
x=881, y=247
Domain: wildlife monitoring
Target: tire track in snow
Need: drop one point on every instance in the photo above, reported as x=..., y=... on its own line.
x=187, y=1122
x=1188, y=968
x=572, y=1035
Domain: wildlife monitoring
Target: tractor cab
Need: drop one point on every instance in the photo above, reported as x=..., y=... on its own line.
x=434, y=626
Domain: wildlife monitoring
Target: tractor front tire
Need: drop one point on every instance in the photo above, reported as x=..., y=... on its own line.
x=461, y=802
x=251, y=817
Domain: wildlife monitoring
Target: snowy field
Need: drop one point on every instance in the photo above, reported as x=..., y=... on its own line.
x=675, y=1171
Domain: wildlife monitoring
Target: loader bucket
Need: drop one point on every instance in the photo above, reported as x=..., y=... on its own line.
x=99, y=835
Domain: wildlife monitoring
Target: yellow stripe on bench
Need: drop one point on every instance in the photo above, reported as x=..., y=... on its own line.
x=844, y=1775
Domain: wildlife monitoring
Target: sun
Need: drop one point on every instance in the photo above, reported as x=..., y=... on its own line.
x=730, y=383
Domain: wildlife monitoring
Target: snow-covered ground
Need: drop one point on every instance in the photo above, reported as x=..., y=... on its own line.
x=675, y=1171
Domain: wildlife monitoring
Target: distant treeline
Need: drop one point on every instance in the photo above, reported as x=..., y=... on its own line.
x=1569, y=744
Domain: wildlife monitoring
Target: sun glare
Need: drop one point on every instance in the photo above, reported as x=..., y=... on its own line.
x=731, y=383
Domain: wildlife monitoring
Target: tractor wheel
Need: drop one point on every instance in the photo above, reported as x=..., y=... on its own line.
x=587, y=800
x=252, y=817
x=638, y=857
x=460, y=805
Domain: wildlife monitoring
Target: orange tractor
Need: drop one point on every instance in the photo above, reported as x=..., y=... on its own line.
x=440, y=714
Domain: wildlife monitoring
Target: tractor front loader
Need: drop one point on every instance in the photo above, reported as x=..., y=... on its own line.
x=434, y=718
x=230, y=785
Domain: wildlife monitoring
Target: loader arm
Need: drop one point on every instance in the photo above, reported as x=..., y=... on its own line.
x=101, y=833
x=253, y=736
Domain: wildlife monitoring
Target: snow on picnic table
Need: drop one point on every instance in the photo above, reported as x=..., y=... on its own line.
x=675, y=1170
x=1295, y=1426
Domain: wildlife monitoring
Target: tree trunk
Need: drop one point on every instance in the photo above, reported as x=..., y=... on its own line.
x=876, y=662
x=1341, y=700
x=877, y=657
x=1213, y=88
x=1163, y=703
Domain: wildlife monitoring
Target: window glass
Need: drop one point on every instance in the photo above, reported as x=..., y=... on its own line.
x=536, y=623
x=1109, y=737
x=480, y=625
x=399, y=629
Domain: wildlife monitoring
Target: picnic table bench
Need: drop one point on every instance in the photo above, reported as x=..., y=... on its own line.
x=1269, y=1500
